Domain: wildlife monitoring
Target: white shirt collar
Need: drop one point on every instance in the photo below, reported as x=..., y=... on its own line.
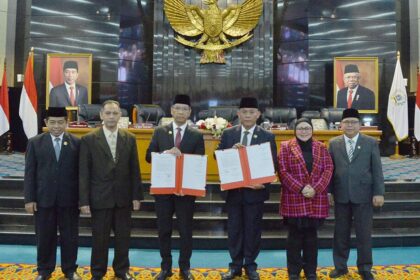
x=60, y=136
x=183, y=127
x=251, y=130
x=354, y=139
x=68, y=87
x=108, y=132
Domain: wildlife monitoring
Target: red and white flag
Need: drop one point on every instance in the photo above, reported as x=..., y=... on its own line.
x=28, y=105
x=4, y=105
x=417, y=110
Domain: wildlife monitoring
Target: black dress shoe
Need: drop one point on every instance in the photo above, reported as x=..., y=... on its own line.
x=335, y=273
x=366, y=275
x=185, y=274
x=232, y=273
x=252, y=275
x=126, y=276
x=73, y=276
x=311, y=277
x=294, y=277
x=43, y=277
x=164, y=274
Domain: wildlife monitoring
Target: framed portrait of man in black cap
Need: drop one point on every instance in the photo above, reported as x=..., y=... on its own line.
x=68, y=80
x=356, y=83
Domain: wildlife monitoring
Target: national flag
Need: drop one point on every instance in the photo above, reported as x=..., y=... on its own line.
x=417, y=110
x=397, y=104
x=339, y=83
x=28, y=105
x=4, y=105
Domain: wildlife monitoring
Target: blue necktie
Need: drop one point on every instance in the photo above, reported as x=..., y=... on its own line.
x=57, y=148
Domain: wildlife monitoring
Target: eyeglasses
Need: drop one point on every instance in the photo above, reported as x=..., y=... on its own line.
x=350, y=122
x=308, y=128
x=184, y=109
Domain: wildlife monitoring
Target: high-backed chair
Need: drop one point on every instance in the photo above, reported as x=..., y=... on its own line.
x=332, y=115
x=147, y=113
x=311, y=114
x=280, y=115
x=229, y=113
x=90, y=113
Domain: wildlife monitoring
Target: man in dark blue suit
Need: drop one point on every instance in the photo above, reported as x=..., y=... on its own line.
x=354, y=95
x=245, y=205
x=176, y=138
x=52, y=194
x=69, y=93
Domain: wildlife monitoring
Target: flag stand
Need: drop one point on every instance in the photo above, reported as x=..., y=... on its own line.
x=397, y=155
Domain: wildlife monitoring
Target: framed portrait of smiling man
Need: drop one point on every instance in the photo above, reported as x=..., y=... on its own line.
x=69, y=79
x=356, y=83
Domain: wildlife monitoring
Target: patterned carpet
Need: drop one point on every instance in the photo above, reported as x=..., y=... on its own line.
x=395, y=272
x=407, y=169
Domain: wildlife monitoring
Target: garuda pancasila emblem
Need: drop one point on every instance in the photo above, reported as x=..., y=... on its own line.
x=213, y=30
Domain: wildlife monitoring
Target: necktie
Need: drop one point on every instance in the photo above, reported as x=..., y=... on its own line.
x=113, y=144
x=245, y=138
x=72, y=99
x=178, y=138
x=350, y=99
x=351, y=149
x=57, y=148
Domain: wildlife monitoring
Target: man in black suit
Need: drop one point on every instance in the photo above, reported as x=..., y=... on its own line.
x=354, y=95
x=245, y=205
x=357, y=186
x=69, y=93
x=52, y=192
x=110, y=188
x=176, y=138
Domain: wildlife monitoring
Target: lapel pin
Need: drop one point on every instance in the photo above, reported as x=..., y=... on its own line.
x=255, y=136
x=357, y=97
x=358, y=147
x=65, y=143
x=170, y=131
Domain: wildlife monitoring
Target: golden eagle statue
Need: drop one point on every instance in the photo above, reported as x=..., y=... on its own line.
x=213, y=25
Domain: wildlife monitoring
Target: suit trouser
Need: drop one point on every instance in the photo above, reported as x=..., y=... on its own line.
x=302, y=250
x=244, y=233
x=183, y=207
x=103, y=220
x=362, y=215
x=46, y=222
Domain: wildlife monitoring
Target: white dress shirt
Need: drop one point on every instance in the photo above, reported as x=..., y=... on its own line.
x=175, y=130
x=249, y=136
x=111, y=139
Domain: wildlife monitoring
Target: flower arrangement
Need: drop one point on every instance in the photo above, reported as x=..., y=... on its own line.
x=215, y=124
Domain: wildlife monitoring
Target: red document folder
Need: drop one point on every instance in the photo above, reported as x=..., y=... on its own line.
x=246, y=173
x=178, y=188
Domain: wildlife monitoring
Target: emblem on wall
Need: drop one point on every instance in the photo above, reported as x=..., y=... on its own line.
x=213, y=30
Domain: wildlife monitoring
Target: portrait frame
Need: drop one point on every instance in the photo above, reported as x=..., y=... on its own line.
x=369, y=78
x=54, y=73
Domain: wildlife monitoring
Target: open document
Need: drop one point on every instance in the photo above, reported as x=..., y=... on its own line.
x=243, y=167
x=185, y=174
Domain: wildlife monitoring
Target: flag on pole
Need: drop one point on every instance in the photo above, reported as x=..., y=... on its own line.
x=29, y=100
x=417, y=110
x=397, y=104
x=4, y=105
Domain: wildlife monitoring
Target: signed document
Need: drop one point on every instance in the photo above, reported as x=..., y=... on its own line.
x=243, y=167
x=183, y=175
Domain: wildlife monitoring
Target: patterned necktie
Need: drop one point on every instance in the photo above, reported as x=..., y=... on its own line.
x=351, y=149
x=245, y=138
x=72, y=99
x=112, y=144
x=57, y=148
x=178, y=138
x=350, y=99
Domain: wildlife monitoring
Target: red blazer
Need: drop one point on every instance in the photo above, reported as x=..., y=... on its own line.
x=294, y=176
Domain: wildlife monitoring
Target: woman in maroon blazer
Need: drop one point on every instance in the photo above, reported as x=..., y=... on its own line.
x=305, y=170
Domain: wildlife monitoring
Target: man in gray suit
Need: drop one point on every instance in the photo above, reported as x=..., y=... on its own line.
x=69, y=93
x=358, y=183
x=176, y=138
x=110, y=188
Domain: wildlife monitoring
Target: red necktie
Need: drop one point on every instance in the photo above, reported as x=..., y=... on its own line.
x=178, y=138
x=72, y=96
x=350, y=99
